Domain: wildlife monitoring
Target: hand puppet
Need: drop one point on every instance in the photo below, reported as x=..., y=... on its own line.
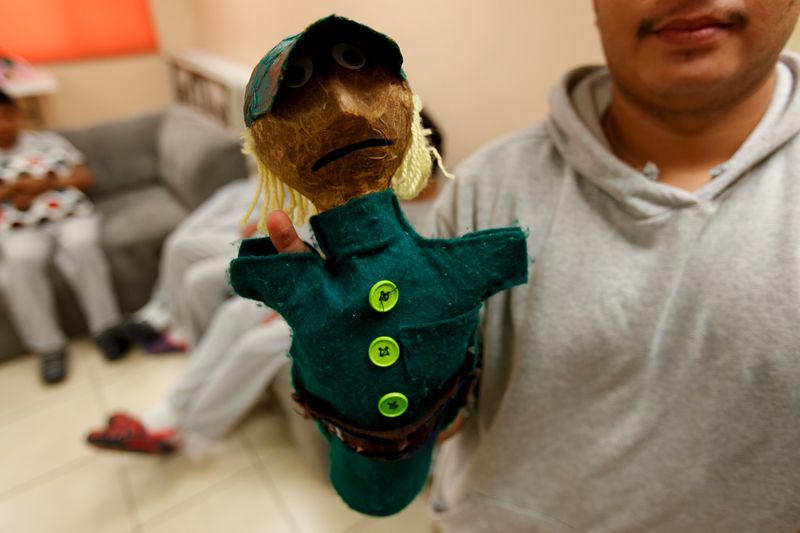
x=384, y=321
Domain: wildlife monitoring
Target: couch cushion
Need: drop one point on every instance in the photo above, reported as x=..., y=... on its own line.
x=197, y=156
x=135, y=224
x=121, y=153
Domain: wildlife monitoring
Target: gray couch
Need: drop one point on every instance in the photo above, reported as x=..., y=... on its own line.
x=150, y=172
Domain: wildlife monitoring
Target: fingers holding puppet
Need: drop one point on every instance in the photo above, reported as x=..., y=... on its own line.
x=283, y=233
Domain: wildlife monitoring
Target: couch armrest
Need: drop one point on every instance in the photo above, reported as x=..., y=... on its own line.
x=197, y=156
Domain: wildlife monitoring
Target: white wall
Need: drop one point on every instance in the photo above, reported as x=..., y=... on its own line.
x=482, y=68
x=794, y=41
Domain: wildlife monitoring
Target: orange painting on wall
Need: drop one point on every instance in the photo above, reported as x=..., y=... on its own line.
x=57, y=30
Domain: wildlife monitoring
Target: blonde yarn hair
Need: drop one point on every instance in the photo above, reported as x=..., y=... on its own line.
x=407, y=182
x=415, y=170
x=277, y=195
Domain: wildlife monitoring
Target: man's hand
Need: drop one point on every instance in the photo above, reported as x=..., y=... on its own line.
x=283, y=234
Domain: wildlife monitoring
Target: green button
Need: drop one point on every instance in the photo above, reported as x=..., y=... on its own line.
x=383, y=296
x=393, y=404
x=384, y=351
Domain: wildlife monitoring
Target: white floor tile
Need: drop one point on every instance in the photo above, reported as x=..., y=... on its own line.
x=414, y=518
x=23, y=388
x=136, y=359
x=242, y=503
x=254, y=481
x=161, y=483
x=46, y=437
x=313, y=503
x=137, y=383
x=85, y=499
x=265, y=429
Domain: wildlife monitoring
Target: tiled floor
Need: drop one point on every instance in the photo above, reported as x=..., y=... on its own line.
x=50, y=481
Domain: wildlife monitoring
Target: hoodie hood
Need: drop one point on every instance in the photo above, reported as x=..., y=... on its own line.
x=580, y=99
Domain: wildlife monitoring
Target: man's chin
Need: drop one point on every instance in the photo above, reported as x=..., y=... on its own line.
x=703, y=76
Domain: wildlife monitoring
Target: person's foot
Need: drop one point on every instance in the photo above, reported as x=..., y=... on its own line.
x=127, y=434
x=166, y=344
x=140, y=332
x=53, y=365
x=113, y=342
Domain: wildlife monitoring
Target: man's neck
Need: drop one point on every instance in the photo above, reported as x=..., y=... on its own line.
x=685, y=146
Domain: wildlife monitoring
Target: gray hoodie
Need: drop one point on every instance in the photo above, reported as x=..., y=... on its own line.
x=648, y=376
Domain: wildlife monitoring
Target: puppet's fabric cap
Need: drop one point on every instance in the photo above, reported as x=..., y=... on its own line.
x=265, y=81
x=376, y=487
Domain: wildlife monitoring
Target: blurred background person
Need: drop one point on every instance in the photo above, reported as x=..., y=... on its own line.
x=44, y=215
x=192, y=281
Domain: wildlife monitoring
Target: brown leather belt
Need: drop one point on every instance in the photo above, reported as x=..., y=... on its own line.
x=398, y=443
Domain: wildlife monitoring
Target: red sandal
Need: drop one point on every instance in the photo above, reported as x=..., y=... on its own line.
x=125, y=433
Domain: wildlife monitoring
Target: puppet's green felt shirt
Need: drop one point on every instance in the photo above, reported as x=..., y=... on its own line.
x=384, y=319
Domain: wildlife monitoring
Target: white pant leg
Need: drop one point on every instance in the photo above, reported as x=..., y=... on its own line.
x=234, y=318
x=26, y=253
x=168, y=271
x=182, y=251
x=155, y=310
x=205, y=289
x=241, y=377
x=305, y=435
x=215, y=218
x=84, y=264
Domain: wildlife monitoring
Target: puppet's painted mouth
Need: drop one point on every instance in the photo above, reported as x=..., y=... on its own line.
x=339, y=153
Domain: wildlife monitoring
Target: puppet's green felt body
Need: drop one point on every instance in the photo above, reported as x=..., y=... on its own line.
x=435, y=288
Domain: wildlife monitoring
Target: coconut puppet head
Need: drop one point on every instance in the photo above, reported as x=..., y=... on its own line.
x=384, y=321
x=331, y=117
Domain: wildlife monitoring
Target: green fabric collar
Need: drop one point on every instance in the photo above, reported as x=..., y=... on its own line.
x=340, y=231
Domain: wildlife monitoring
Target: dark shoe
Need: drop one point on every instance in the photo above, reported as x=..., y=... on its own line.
x=141, y=333
x=113, y=343
x=125, y=433
x=54, y=365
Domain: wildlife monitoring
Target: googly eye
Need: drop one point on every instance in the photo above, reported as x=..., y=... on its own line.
x=348, y=56
x=298, y=72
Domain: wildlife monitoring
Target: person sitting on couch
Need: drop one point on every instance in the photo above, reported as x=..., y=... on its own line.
x=44, y=214
x=192, y=281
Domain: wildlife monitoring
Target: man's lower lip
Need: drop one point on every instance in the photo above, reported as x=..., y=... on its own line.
x=694, y=36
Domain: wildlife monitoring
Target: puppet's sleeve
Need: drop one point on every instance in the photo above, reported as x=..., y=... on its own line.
x=485, y=262
x=280, y=281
